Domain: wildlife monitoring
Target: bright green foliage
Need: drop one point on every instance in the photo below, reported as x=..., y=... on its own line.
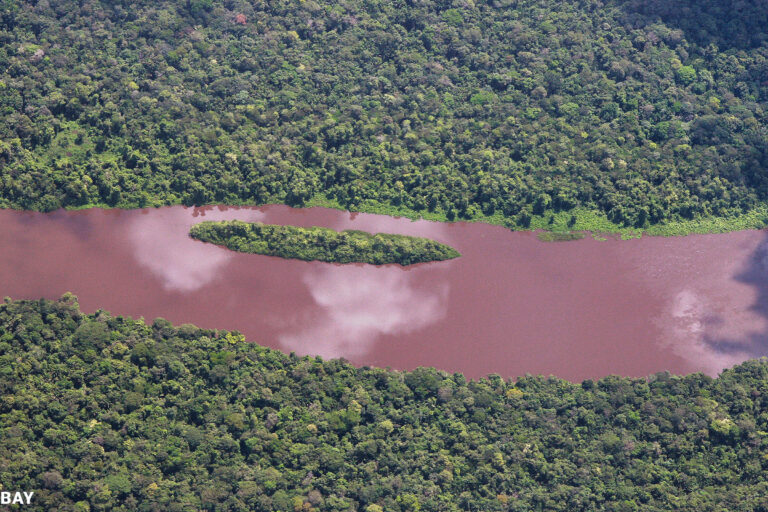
x=180, y=419
x=322, y=244
x=645, y=112
x=686, y=74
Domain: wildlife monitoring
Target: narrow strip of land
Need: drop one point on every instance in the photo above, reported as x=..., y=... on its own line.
x=322, y=244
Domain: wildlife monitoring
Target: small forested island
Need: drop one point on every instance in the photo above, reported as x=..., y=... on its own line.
x=558, y=236
x=321, y=244
x=102, y=412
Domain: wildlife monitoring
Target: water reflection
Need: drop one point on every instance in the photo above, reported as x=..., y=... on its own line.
x=716, y=313
x=695, y=323
x=161, y=244
x=740, y=331
x=357, y=304
x=382, y=224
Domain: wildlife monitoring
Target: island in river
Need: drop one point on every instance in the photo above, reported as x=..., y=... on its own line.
x=322, y=244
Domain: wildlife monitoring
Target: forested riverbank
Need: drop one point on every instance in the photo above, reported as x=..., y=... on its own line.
x=99, y=412
x=555, y=115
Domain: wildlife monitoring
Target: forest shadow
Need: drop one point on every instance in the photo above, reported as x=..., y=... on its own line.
x=755, y=275
x=728, y=24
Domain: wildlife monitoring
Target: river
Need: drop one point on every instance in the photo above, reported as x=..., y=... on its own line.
x=510, y=305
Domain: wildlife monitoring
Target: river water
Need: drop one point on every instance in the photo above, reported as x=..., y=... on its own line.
x=510, y=305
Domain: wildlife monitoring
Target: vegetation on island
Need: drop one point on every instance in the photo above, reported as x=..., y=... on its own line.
x=321, y=244
x=622, y=114
x=99, y=412
x=559, y=236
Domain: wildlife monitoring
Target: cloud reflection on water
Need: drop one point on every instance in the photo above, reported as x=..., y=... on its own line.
x=360, y=303
x=695, y=326
x=712, y=292
x=161, y=244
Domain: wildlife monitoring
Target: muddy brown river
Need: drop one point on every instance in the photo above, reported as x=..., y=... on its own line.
x=510, y=305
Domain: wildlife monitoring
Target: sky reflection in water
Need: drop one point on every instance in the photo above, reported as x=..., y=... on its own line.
x=176, y=260
x=714, y=316
x=693, y=328
x=358, y=304
x=162, y=245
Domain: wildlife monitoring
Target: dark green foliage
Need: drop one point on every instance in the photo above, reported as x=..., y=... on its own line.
x=184, y=419
x=321, y=244
x=646, y=111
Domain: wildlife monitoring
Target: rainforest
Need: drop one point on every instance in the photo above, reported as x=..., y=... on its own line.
x=620, y=371
x=104, y=412
x=636, y=112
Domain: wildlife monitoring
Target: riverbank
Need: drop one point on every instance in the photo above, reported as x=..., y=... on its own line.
x=574, y=220
x=577, y=220
x=202, y=407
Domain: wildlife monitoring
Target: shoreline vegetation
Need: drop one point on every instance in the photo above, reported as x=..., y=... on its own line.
x=560, y=236
x=579, y=219
x=321, y=244
x=112, y=413
x=498, y=112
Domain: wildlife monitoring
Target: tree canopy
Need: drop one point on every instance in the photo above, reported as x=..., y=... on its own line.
x=644, y=111
x=102, y=412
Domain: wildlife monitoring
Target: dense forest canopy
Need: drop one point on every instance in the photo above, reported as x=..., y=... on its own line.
x=646, y=111
x=108, y=413
x=322, y=244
